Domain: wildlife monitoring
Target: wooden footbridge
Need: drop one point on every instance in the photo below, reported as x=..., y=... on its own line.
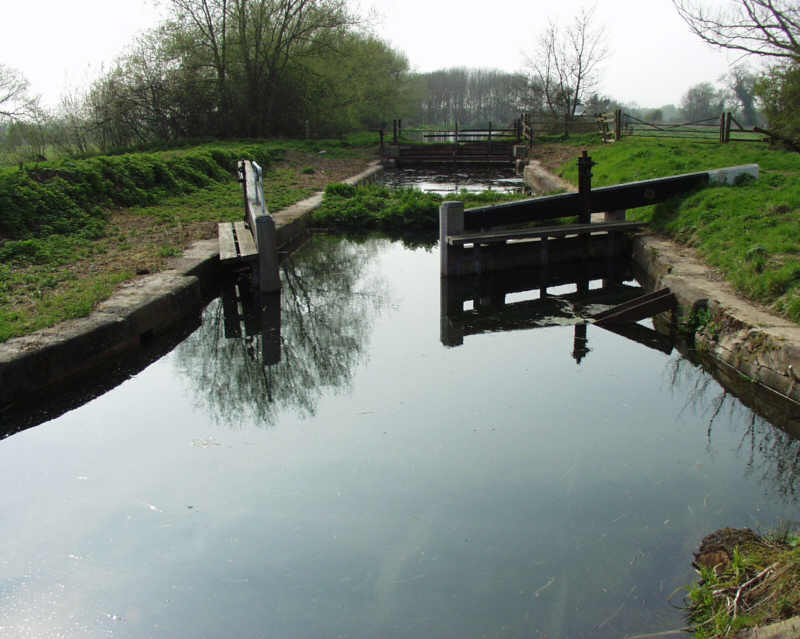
x=252, y=241
x=454, y=147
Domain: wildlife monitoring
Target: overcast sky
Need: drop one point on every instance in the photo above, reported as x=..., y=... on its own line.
x=653, y=58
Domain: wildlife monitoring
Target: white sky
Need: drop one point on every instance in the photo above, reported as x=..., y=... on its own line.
x=654, y=59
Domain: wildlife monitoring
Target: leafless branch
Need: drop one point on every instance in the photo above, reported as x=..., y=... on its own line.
x=760, y=27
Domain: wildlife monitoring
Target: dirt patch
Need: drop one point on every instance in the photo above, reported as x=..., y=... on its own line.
x=316, y=170
x=553, y=156
x=717, y=548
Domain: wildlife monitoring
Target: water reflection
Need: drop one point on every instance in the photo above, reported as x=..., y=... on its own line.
x=444, y=182
x=556, y=295
x=255, y=356
x=771, y=447
x=494, y=489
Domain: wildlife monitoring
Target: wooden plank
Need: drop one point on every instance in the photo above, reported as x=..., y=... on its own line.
x=247, y=245
x=227, y=245
x=638, y=309
x=560, y=230
x=230, y=308
x=639, y=299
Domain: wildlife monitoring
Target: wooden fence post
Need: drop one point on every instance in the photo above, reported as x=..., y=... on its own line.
x=585, y=165
x=451, y=222
x=728, y=119
x=394, y=131
x=618, y=125
x=722, y=128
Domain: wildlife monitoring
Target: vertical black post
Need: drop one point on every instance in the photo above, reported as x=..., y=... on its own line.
x=394, y=131
x=617, y=125
x=728, y=119
x=381, y=134
x=580, y=344
x=585, y=165
x=400, y=128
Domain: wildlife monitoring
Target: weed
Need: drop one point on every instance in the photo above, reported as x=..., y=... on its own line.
x=758, y=585
x=169, y=251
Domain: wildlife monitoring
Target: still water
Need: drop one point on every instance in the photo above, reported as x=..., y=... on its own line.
x=376, y=483
x=446, y=181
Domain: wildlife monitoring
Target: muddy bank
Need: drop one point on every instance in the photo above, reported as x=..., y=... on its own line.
x=141, y=321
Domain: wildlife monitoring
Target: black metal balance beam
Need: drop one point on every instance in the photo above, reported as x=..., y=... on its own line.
x=607, y=198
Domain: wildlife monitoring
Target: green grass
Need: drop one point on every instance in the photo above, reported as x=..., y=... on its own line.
x=33, y=305
x=54, y=216
x=374, y=207
x=751, y=231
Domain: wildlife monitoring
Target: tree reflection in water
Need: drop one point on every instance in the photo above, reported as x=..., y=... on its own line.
x=772, y=447
x=328, y=302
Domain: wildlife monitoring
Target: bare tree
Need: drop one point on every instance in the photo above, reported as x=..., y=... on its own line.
x=567, y=62
x=742, y=85
x=15, y=102
x=762, y=27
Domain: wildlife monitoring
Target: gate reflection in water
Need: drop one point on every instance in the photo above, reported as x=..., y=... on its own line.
x=259, y=313
x=598, y=285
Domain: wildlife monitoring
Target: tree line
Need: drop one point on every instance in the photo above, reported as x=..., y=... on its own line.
x=263, y=68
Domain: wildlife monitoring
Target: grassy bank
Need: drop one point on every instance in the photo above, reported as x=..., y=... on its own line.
x=745, y=581
x=750, y=232
x=374, y=207
x=71, y=231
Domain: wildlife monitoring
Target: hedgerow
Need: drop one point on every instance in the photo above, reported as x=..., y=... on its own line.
x=73, y=196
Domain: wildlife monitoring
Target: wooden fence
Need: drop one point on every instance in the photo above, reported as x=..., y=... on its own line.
x=456, y=134
x=723, y=129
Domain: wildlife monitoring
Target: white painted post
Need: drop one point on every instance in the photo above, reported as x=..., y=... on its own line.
x=729, y=174
x=258, y=187
x=268, y=279
x=451, y=222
